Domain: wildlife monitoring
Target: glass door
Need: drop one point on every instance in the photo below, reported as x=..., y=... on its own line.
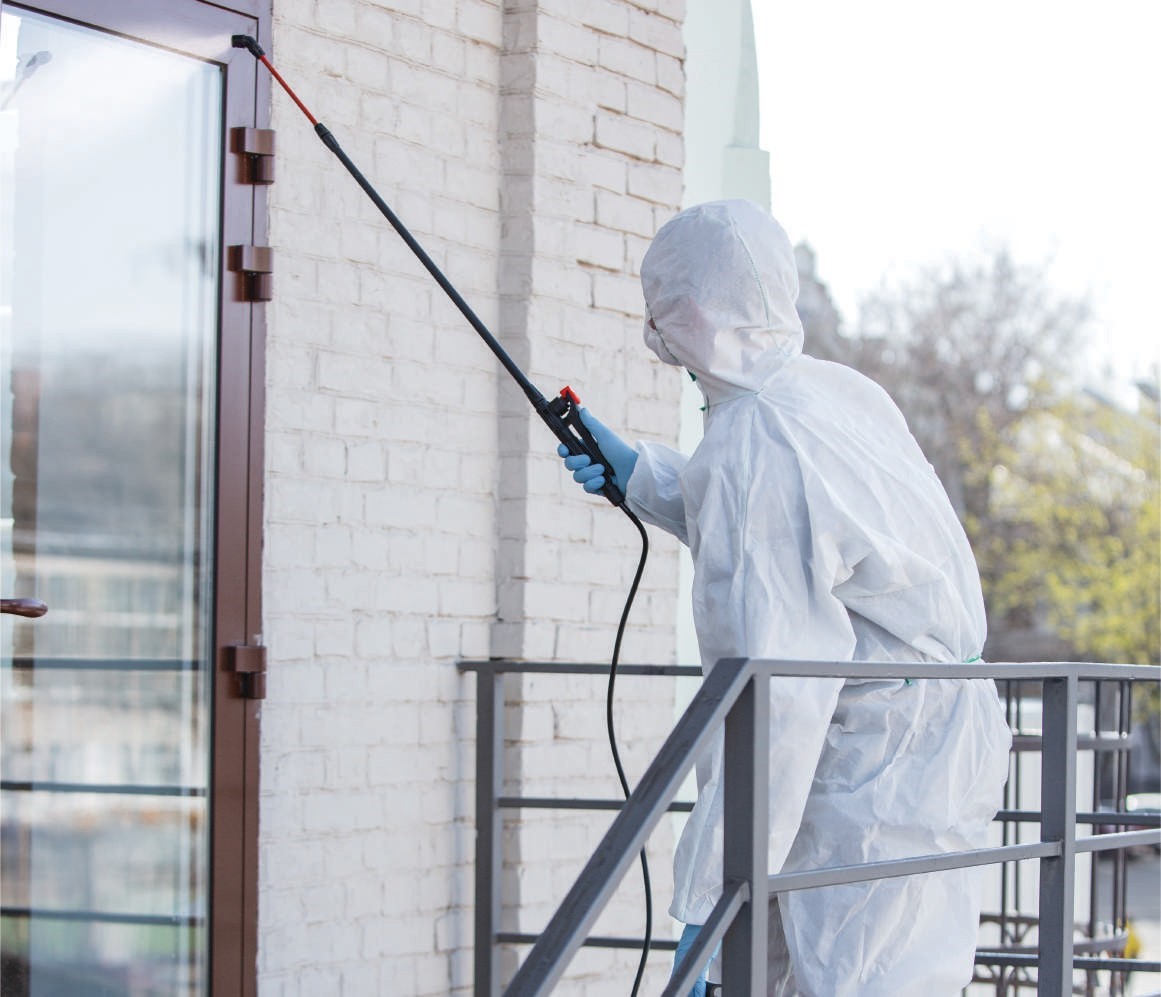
x=110, y=214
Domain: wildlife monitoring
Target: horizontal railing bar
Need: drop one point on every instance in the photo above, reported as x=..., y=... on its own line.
x=786, y=882
x=1113, y=818
x=1118, y=839
x=1111, y=964
x=1105, y=943
x=1084, y=742
x=1025, y=671
x=987, y=958
x=1014, y=918
x=1003, y=671
x=32, y=663
x=597, y=942
x=1118, y=965
x=1124, y=818
x=1021, y=817
x=105, y=917
x=563, y=803
x=558, y=668
x=76, y=788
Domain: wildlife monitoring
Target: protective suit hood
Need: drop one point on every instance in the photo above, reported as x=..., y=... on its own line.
x=720, y=282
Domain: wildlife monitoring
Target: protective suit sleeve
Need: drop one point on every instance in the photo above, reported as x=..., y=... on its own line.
x=654, y=491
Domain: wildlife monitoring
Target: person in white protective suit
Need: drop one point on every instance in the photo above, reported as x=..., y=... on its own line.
x=818, y=530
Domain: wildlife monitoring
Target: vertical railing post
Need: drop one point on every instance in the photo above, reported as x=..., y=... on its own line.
x=489, y=782
x=1058, y=824
x=746, y=765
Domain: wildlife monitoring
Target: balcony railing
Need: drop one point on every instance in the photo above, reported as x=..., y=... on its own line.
x=734, y=698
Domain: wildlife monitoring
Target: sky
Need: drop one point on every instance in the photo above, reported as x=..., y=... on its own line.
x=907, y=132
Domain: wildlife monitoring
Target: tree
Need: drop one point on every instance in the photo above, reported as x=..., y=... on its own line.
x=1058, y=490
x=1073, y=538
x=968, y=350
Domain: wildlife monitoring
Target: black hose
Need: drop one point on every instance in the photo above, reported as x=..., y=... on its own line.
x=613, y=739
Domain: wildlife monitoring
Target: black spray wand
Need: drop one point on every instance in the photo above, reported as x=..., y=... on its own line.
x=561, y=413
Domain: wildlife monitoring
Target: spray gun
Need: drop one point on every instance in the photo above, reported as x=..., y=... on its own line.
x=561, y=414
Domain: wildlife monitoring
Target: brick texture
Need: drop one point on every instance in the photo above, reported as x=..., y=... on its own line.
x=416, y=513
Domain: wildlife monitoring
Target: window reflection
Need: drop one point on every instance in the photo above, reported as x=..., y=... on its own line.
x=110, y=160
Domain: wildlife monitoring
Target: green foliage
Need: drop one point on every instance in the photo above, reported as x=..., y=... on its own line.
x=1057, y=489
x=1072, y=535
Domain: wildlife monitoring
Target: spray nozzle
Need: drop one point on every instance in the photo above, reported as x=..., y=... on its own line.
x=247, y=42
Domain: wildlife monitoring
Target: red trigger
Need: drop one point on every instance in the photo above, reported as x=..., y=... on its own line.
x=567, y=392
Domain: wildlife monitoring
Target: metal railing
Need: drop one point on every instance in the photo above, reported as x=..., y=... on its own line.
x=734, y=697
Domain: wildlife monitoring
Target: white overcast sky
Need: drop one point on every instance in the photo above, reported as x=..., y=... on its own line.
x=902, y=132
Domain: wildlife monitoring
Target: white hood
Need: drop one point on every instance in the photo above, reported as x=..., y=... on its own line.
x=720, y=282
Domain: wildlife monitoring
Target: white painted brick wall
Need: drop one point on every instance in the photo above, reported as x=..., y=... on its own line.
x=415, y=511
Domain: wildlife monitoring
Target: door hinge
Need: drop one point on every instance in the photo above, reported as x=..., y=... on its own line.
x=255, y=149
x=255, y=265
x=249, y=662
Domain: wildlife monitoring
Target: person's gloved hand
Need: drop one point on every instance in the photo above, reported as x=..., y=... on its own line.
x=618, y=453
x=684, y=944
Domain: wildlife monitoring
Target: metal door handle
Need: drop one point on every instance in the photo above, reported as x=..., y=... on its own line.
x=29, y=608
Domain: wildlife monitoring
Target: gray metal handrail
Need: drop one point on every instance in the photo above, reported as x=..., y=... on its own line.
x=735, y=696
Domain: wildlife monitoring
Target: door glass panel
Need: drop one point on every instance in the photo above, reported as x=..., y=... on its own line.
x=110, y=180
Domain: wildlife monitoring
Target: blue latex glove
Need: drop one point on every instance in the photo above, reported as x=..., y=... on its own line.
x=684, y=944
x=619, y=454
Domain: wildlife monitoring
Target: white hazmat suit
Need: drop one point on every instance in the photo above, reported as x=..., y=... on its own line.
x=819, y=530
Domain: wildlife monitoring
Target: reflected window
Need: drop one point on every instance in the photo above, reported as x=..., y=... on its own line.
x=110, y=200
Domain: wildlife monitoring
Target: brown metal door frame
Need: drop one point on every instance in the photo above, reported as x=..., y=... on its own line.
x=238, y=569
x=203, y=29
